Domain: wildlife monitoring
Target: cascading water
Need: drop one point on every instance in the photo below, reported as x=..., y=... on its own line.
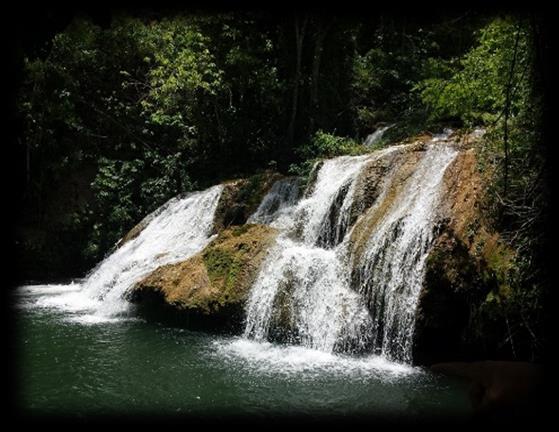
x=312, y=290
x=390, y=273
x=322, y=218
x=303, y=285
x=277, y=203
x=376, y=136
x=305, y=288
x=175, y=231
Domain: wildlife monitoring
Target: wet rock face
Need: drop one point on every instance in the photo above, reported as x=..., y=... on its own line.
x=452, y=285
x=214, y=283
x=369, y=185
x=384, y=176
x=240, y=198
x=466, y=263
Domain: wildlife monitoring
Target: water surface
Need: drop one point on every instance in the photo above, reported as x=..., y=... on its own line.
x=72, y=366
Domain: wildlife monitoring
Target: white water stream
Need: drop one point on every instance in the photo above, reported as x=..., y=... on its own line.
x=178, y=229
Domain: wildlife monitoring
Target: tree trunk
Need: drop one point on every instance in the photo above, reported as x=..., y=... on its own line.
x=320, y=34
x=507, y=114
x=300, y=28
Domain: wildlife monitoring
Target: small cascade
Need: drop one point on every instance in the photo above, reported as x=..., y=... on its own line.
x=303, y=292
x=180, y=229
x=322, y=218
x=278, y=202
x=376, y=136
x=175, y=231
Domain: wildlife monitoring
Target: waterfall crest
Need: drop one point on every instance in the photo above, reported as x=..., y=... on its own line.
x=277, y=203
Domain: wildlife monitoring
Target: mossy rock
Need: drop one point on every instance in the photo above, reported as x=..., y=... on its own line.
x=213, y=283
x=468, y=271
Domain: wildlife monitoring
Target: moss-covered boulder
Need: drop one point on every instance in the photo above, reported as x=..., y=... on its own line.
x=212, y=284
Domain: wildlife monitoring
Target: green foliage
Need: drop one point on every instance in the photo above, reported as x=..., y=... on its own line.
x=477, y=88
x=384, y=75
x=182, y=73
x=125, y=191
x=142, y=108
x=473, y=88
x=326, y=145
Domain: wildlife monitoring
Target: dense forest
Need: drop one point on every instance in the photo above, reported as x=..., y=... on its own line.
x=116, y=116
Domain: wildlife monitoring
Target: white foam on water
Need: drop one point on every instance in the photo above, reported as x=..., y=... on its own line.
x=267, y=357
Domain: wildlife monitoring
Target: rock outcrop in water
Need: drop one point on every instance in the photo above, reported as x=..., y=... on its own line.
x=214, y=282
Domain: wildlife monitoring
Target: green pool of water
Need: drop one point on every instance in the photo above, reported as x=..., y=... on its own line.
x=71, y=368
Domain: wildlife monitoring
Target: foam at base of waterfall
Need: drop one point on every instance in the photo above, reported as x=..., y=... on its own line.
x=56, y=296
x=42, y=289
x=70, y=300
x=293, y=359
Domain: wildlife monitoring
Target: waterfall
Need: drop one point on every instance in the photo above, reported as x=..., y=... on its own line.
x=312, y=291
x=303, y=291
x=175, y=231
x=390, y=273
x=347, y=266
x=322, y=217
x=376, y=136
